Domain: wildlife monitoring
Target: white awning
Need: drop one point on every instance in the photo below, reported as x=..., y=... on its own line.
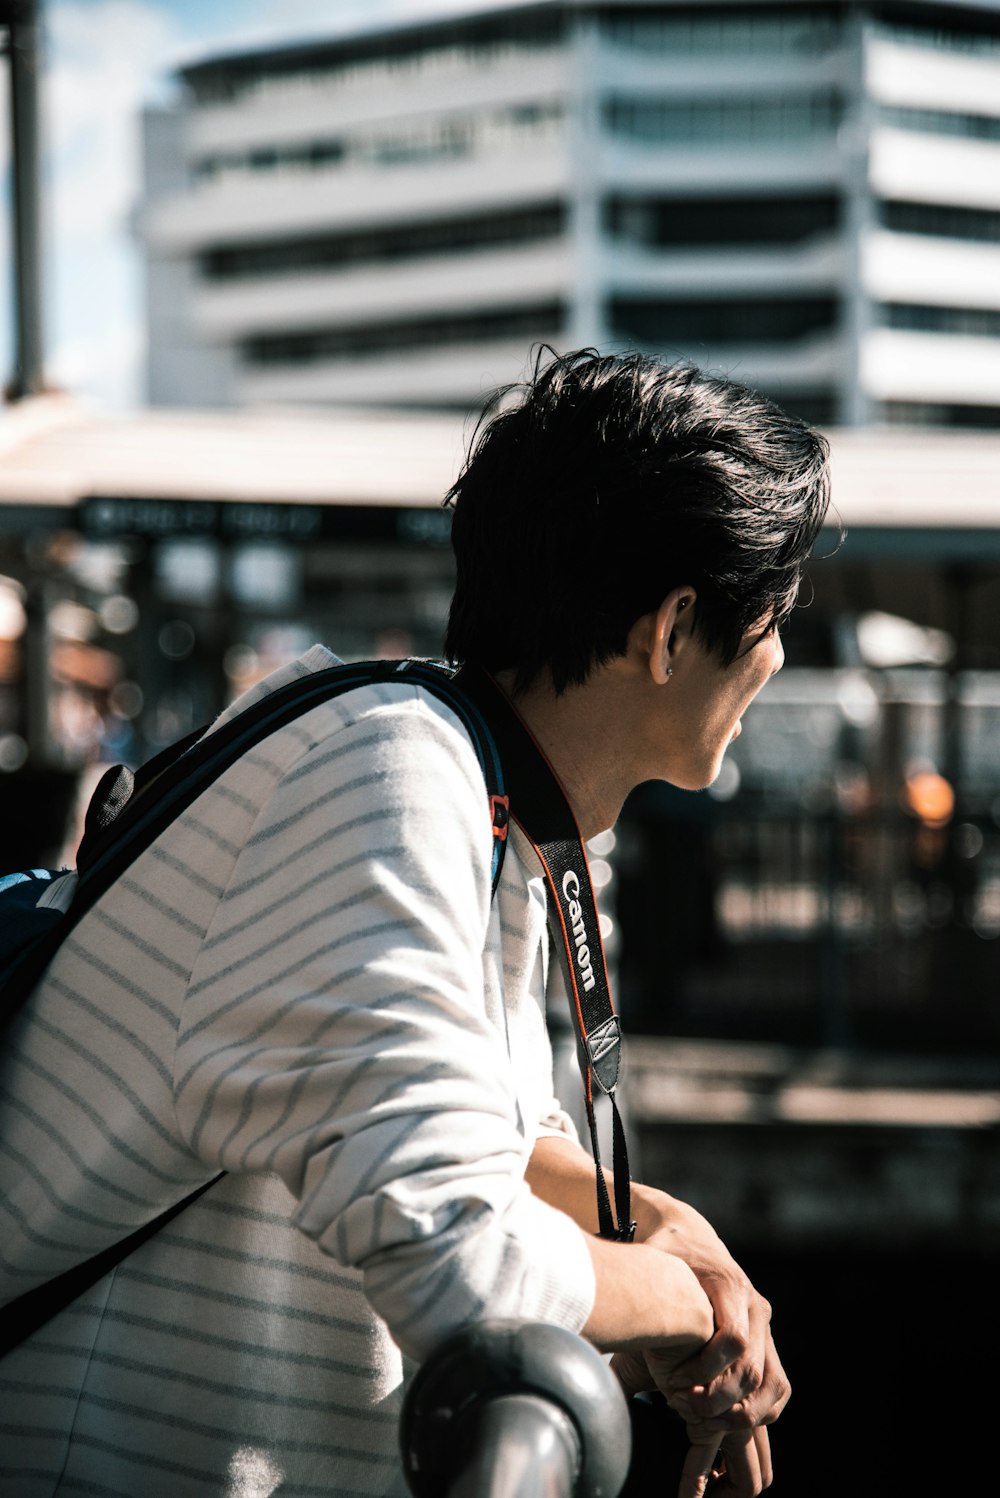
x=937, y=479
x=56, y=452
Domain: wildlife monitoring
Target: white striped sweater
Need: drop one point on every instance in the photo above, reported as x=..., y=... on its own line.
x=304, y=983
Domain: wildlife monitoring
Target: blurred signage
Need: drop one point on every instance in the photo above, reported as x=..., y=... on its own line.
x=102, y=517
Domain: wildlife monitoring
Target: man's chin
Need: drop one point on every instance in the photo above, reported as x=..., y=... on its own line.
x=693, y=782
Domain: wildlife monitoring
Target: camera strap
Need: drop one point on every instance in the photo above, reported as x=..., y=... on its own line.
x=539, y=806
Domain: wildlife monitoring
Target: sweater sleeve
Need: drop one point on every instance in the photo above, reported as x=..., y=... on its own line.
x=334, y=1032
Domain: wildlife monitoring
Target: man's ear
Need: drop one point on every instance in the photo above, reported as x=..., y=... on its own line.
x=666, y=631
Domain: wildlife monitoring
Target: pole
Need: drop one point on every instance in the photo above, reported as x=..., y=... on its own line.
x=28, y=376
x=517, y=1446
x=515, y=1410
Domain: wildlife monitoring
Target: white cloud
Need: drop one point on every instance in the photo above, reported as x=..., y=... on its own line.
x=100, y=60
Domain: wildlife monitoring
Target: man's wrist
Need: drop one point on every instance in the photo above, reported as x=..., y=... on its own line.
x=654, y=1211
x=673, y=1226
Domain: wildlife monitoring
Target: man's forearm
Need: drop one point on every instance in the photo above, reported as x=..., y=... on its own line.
x=643, y=1297
x=562, y=1173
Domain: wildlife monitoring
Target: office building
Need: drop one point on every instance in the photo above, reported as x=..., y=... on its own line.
x=803, y=195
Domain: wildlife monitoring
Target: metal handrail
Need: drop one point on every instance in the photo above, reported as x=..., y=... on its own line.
x=514, y=1410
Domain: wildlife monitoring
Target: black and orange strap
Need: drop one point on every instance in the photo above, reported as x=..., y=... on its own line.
x=539, y=806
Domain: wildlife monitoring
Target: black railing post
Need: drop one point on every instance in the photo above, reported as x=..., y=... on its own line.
x=25, y=61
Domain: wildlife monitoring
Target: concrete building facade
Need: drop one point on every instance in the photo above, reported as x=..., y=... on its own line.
x=803, y=195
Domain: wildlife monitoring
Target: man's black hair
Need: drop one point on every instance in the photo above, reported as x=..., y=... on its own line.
x=592, y=489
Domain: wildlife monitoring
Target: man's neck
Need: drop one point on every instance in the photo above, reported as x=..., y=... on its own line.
x=582, y=732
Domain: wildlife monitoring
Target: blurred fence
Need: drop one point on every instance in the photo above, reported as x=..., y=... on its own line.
x=811, y=930
x=840, y=890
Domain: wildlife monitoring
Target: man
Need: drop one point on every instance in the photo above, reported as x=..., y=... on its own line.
x=305, y=983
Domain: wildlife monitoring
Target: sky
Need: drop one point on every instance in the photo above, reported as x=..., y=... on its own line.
x=102, y=61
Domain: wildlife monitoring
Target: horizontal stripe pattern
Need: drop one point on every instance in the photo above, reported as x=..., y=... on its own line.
x=304, y=982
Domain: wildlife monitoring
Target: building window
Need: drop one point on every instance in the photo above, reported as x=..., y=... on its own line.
x=941, y=122
x=670, y=223
x=924, y=413
x=375, y=63
x=336, y=252
x=727, y=321
x=942, y=219
x=514, y=128
x=707, y=30
x=915, y=317
x=818, y=410
x=511, y=129
x=304, y=156
x=739, y=119
x=331, y=344
x=977, y=42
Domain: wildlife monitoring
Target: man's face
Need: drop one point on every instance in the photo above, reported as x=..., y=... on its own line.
x=706, y=702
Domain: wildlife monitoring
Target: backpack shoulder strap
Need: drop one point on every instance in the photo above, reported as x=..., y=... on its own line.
x=181, y=773
x=447, y=685
x=124, y=818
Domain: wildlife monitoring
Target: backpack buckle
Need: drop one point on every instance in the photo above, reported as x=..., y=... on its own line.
x=500, y=815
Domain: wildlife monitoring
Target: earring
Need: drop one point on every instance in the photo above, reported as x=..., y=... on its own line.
x=670, y=670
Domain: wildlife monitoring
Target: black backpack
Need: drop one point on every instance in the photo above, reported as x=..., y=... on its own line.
x=127, y=812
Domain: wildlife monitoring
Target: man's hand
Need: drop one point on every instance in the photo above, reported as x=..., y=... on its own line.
x=738, y=1370
x=729, y=1391
x=727, y=1388
x=725, y=1456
